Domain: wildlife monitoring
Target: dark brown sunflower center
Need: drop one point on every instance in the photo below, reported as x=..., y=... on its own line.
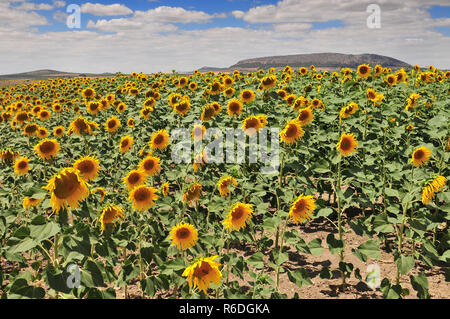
x=22, y=165
x=346, y=144
x=291, y=131
x=183, y=233
x=419, y=154
x=86, y=167
x=203, y=270
x=159, y=139
x=304, y=115
x=142, y=195
x=47, y=147
x=363, y=70
x=237, y=213
x=124, y=143
x=246, y=95
x=66, y=185
x=134, y=178
x=111, y=124
x=149, y=164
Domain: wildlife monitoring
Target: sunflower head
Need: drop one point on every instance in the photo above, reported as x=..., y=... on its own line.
x=88, y=168
x=151, y=165
x=420, y=156
x=110, y=215
x=193, y=193
x=160, y=140
x=363, y=70
x=234, y=107
x=224, y=184
x=112, y=125
x=292, y=132
x=135, y=178
x=347, y=145
x=238, y=217
x=126, y=143
x=305, y=116
x=47, y=149
x=302, y=209
x=247, y=96
x=183, y=236
x=143, y=197
x=202, y=272
x=251, y=125
x=22, y=165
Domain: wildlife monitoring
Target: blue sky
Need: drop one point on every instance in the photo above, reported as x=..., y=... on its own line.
x=162, y=35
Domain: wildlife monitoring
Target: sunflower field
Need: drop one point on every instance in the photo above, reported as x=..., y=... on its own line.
x=93, y=205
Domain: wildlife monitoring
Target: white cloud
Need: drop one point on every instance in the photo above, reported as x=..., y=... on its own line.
x=60, y=16
x=98, y=9
x=175, y=15
x=59, y=4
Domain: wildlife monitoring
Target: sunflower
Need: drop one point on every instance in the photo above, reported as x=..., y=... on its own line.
x=198, y=131
x=135, y=178
x=58, y=131
x=143, y=197
x=183, y=236
x=291, y=132
x=112, y=124
x=42, y=132
x=224, y=183
x=145, y=112
x=348, y=110
x=217, y=107
x=126, y=143
x=193, y=193
x=371, y=95
x=193, y=86
x=208, y=112
x=251, y=125
x=247, y=96
x=347, y=145
x=88, y=93
x=130, y=122
x=8, y=156
x=110, y=215
x=22, y=165
x=80, y=126
x=121, y=107
x=150, y=102
x=151, y=165
x=229, y=92
x=30, y=129
x=302, y=209
x=409, y=127
x=239, y=215
x=47, y=149
x=44, y=115
x=200, y=160
x=101, y=191
x=29, y=202
x=391, y=79
x=434, y=186
x=93, y=107
x=305, y=116
x=22, y=117
x=234, y=107
x=363, y=70
x=268, y=82
x=67, y=189
x=420, y=156
x=262, y=118
x=165, y=189
x=160, y=140
x=202, y=272
x=88, y=168
x=183, y=107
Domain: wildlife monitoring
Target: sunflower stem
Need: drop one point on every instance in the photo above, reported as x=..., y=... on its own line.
x=341, y=253
x=280, y=252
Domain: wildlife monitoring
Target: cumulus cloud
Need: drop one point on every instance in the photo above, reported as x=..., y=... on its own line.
x=98, y=9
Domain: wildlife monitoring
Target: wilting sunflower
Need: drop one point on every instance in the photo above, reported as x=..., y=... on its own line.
x=202, y=272
x=47, y=149
x=420, y=156
x=347, y=145
x=30, y=129
x=101, y=191
x=112, y=124
x=8, y=156
x=80, y=126
x=160, y=140
x=183, y=107
x=22, y=165
x=363, y=70
x=348, y=110
x=126, y=143
x=302, y=209
x=305, y=116
x=224, y=183
x=251, y=125
x=29, y=202
x=110, y=215
x=208, y=112
x=67, y=189
x=135, y=178
x=88, y=168
x=58, y=131
x=247, y=96
x=193, y=193
x=143, y=197
x=291, y=132
x=238, y=217
x=183, y=236
x=432, y=187
x=268, y=82
x=151, y=165
x=198, y=131
x=165, y=189
x=234, y=107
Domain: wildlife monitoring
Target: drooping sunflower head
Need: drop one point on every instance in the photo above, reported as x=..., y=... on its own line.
x=110, y=215
x=183, y=107
x=435, y=185
x=151, y=165
x=101, y=191
x=29, y=202
x=262, y=118
x=47, y=149
x=8, y=156
x=302, y=209
x=135, y=178
x=80, y=126
x=371, y=94
x=165, y=189
x=22, y=165
x=183, y=236
x=143, y=197
x=305, y=116
x=224, y=184
x=208, y=112
x=193, y=193
x=420, y=156
x=30, y=129
x=347, y=145
x=202, y=272
x=238, y=217
x=88, y=168
x=160, y=140
x=67, y=189
x=292, y=132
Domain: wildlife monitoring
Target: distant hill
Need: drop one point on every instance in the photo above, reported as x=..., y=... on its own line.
x=330, y=61
x=45, y=74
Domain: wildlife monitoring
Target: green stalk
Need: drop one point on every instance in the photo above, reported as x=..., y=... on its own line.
x=280, y=251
